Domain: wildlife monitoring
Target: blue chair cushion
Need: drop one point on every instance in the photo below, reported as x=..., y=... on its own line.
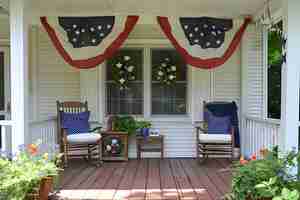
x=218, y=125
x=76, y=123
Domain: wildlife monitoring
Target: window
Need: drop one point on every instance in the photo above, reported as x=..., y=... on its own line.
x=168, y=99
x=274, y=70
x=125, y=101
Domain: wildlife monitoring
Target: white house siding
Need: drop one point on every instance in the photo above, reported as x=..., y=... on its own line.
x=56, y=80
x=254, y=71
x=227, y=80
x=4, y=28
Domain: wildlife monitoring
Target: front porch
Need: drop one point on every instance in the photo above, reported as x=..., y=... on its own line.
x=38, y=76
x=151, y=179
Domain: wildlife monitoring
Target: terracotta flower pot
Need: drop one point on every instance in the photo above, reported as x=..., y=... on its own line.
x=45, y=187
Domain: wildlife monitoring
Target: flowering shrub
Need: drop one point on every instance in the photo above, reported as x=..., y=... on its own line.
x=269, y=177
x=25, y=171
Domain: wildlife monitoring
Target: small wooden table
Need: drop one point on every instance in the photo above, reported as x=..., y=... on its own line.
x=121, y=138
x=150, y=144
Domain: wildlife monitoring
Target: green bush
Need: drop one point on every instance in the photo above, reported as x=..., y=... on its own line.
x=269, y=177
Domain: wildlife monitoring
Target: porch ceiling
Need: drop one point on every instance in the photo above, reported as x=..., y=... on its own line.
x=223, y=8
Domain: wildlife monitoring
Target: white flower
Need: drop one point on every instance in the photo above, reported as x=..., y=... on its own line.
x=108, y=148
x=167, y=59
x=163, y=64
x=114, y=141
x=119, y=65
x=127, y=58
x=173, y=68
x=130, y=68
x=132, y=78
x=160, y=73
x=122, y=80
x=171, y=77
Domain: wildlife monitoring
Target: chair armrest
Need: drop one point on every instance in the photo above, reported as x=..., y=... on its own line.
x=96, y=129
x=201, y=126
x=95, y=126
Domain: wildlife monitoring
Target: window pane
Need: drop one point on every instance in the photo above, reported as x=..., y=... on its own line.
x=130, y=100
x=169, y=99
x=2, y=77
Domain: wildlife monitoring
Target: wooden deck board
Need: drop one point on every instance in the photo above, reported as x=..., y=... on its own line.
x=124, y=189
x=138, y=190
x=147, y=179
x=184, y=186
x=153, y=191
x=168, y=184
x=199, y=187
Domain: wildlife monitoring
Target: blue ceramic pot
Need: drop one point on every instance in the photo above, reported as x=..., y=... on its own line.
x=145, y=132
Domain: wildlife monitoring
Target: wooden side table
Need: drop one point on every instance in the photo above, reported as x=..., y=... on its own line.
x=114, y=146
x=150, y=144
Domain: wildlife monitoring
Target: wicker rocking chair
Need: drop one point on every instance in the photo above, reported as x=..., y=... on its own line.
x=83, y=144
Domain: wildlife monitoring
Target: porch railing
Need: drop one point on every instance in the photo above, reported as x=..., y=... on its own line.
x=6, y=139
x=45, y=131
x=259, y=134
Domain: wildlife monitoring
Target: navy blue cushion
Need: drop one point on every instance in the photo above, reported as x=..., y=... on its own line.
x=218, y=125
x=76, y=123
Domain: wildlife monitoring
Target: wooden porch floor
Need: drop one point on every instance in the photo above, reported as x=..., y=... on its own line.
x=150, y=179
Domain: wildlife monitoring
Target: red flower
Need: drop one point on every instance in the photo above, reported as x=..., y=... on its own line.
x=243, y=161
x=253, y=157
x=33, y=149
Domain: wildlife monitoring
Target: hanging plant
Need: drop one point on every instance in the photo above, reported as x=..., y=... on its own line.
x=165, y=72
x=123, y=71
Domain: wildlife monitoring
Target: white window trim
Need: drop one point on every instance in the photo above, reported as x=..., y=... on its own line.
x=146, y=45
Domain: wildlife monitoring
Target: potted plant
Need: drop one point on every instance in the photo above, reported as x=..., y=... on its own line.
x=28, y=175
x=267, y=178
x=124, y=124
x=144, y=127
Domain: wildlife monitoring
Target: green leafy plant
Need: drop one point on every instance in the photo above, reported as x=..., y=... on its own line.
x=287, y=194
x=272, y=189
x=143, y=124
x=125, y=123
x=265, y=178
x=24, y=172
x=129, y=124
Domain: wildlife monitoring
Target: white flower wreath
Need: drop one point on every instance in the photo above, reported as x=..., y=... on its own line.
x=165, y=72
x=123, y=71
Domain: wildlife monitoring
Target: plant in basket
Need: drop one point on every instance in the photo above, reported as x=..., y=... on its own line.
x=269, y=178
x=29, y=174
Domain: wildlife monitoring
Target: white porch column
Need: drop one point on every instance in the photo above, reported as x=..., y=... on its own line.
x=19, y=71
x=290, y=77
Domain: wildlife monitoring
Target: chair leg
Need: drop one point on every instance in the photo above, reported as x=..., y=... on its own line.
x=100, y=153
x=89, y=153
x=65, y=155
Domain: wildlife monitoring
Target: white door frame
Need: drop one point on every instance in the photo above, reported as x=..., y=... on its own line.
x=6, y=111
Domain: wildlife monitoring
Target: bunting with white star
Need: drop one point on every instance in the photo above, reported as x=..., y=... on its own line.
x=85, y=42
x=204, y=42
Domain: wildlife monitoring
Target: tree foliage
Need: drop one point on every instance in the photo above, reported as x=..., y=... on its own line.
x=274, y=70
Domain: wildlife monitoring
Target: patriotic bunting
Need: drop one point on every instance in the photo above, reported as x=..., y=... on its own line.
x=85, y=42
x=204, y=42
